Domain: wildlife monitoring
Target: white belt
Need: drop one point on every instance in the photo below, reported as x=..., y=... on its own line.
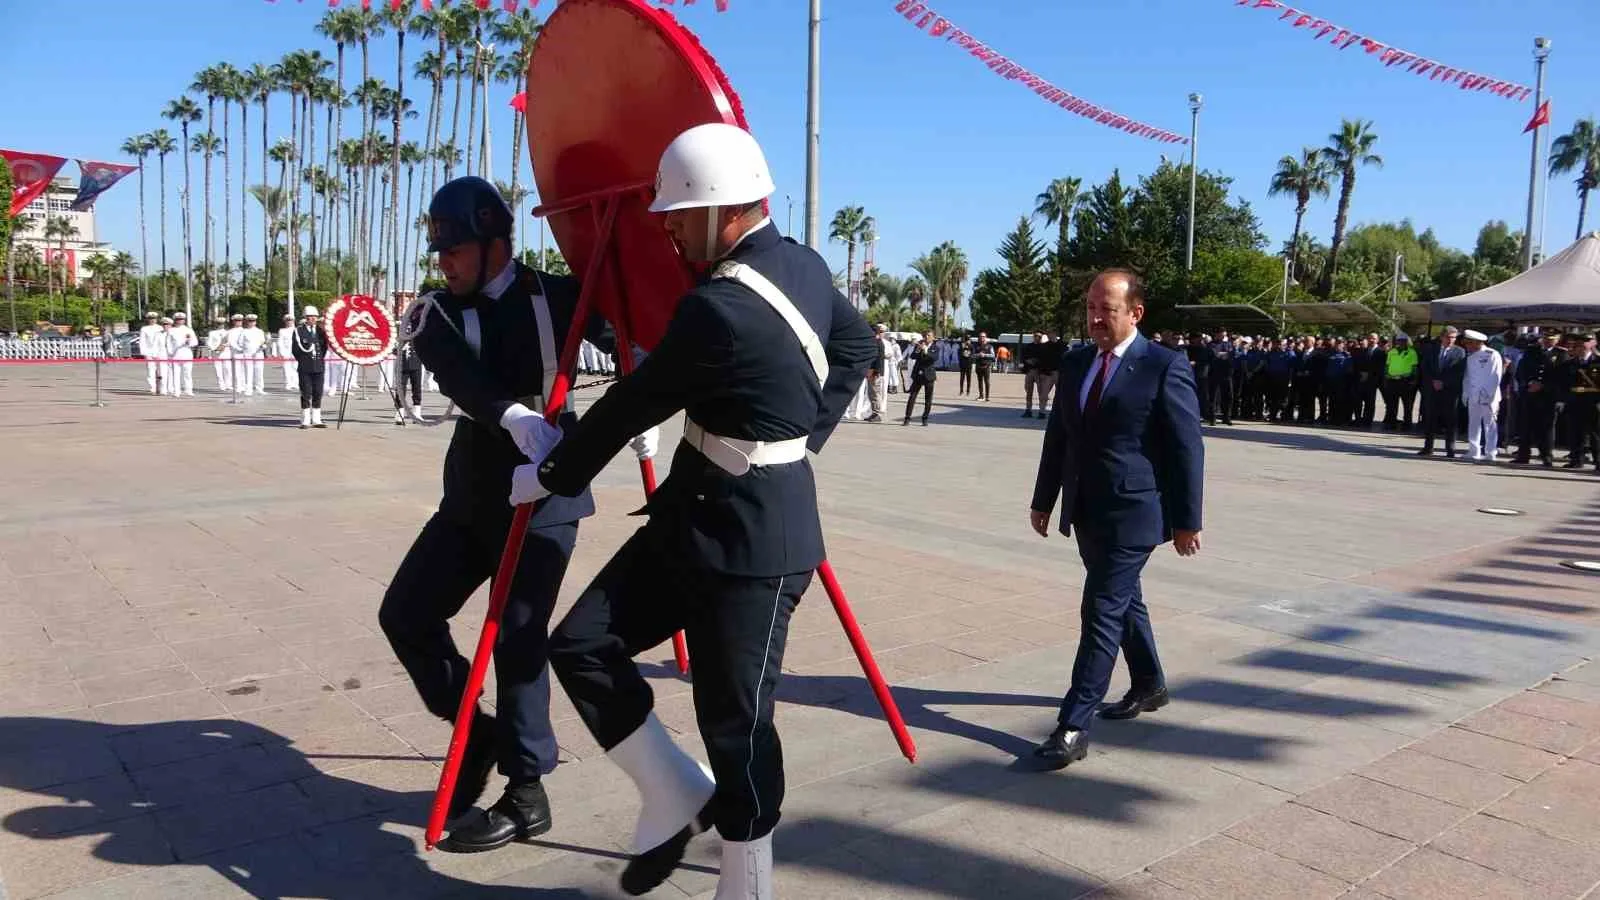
x=735, y=456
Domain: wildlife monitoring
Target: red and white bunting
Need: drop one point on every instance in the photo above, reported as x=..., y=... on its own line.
x=510, y=6
x=919, y=15
x=1344, y=38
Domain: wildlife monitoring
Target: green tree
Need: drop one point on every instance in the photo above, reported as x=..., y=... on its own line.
x=1159, y=209
x=1057, y=204
x=1237, y=275
x=1302, y=179
x=1498, y=245
x=1579, y=150
x=851, y=226
x=7, y=229
x=1019, y=296
x=1348, y=149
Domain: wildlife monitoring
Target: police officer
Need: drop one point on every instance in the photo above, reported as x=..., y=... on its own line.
x=1220, y=378
x=762, y=357
x=1537, y=384
x=408, y=373
x=1200, y=359
x=491, y=339
x=308, y=345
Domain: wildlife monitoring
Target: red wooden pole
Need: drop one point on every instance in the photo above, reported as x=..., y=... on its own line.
x=500, y=588
x=869, y=666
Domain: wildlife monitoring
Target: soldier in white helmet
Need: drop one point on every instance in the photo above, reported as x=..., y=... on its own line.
x=153, y=347
x=309, y=346
x=283, y=348
x=221, y=361
x=181, y=341
x=762, y=357
x=163, y=344
x=256, y=340
x=234, y=346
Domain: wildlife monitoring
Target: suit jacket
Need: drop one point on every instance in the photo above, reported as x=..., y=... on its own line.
x=1131, y=473
x=310, y=348
x=924, y=365
x=732, y=364
x=1450, y=370
x=482, y=455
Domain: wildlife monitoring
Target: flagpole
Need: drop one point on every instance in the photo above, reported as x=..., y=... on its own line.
x=1541, y=51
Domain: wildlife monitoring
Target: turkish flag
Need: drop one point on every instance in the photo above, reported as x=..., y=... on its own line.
x=32, y=173
x=1541, y=116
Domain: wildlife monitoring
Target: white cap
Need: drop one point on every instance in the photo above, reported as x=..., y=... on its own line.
x=310, y=311
x=711, y=165
x=180, y=315
x=150, y=314
x=251, y=317
x=166, y=320
x=1470, y=335
x=236, y=317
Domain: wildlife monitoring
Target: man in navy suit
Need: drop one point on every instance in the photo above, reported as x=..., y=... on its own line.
x=1123, y=452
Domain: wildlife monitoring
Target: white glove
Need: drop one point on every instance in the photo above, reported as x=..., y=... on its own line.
x=644, y=446
x=533, y=435
x=525, y=485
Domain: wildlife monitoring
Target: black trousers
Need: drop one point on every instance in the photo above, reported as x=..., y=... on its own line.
x=736, y=630
x=1114, y=618
x=1583, y=427
x=1537, y=420
x=413, y=378
x=1439, y=413
x=983, y=382
x=1278, y=397
x=1202, y=389
x=966, y=380
x=446, y=563
x=1221, y=401
x=1367, y=399
x=1305, y=393
x=310, y=390
x=926, y=388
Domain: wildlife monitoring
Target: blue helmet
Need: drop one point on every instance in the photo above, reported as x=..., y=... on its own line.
x=467, y=209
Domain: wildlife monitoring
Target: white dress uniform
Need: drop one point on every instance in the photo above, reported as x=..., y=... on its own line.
x=1480, y=391
x=240, y=350
x=891, y=364
x=221, y=357
x=283, y=348
x=181, y=341
x=153, y=346
x=256, y=340
x=332, y=373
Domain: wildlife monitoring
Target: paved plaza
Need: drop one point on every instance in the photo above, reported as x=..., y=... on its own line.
x=1378, y=691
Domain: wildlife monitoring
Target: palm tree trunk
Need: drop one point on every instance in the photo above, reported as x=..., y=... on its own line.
x=472, y=102
x=405, y=239
x=365, y=257
x=394, y=160
x=161, y=159
x=187, y=225
x=244, y=177
x=227, y=194
x=516, y=171
x=292, y=230
x=266, y=221
x=1583, y=210
x=455, y=114
x=1294, y=241
x=144, y=256
x=850, y=272
x=310, y=110
x=205, y=252
x=335, y=134
x=1346, y=189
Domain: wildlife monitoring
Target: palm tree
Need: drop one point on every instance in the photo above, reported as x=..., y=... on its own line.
x=231, y=90
x=161, y=143
x=206, y=145
x=943, y=269
x=398, y=18
x=851, y=225
x=431, y=24
x=210, y=83
x=1348, y=148
x=412, y=155
x=1057, y=204
x=457, y=32
x=185, y=112
x=371, y=27
x=518, y=32
x=259, y=83
x=139, y=147
x=1579, y=149
x=342, y=26
x=1301, y=178
x=61, y=228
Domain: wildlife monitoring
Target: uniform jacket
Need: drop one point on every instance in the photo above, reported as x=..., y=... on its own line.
x=1481, y=376
x=1448, y=368
x=731, y=363
x=924, y=365
x=309, y=346
x=482, y=455
x=1131, y=473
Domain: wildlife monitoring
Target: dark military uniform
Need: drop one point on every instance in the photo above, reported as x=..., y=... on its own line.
x=1581, y=381
x=724, y=555
x=310, y=349
x=1200, y=359
x=1537, y=386
x=410, y=374
x=488, y=352
x=1220, y=401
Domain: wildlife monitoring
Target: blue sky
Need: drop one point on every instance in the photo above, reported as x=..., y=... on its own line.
x=925, y=137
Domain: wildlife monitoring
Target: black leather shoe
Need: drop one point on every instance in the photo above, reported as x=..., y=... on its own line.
x=521, y=814
x=1063, y=747
x=1135, y=702
x=645, y=872
x=476, y=764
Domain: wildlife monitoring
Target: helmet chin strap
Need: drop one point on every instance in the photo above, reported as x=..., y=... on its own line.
x=711, y=233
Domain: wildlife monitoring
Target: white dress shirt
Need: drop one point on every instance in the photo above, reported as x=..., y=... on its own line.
x=497, y=285
x=1111, y=369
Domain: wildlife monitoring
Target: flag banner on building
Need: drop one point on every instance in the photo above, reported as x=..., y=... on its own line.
x=1344, y=38
x=919, y=15
x=97, y=178
x=32, y=173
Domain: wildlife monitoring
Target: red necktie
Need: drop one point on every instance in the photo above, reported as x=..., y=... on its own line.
x=1092, y=403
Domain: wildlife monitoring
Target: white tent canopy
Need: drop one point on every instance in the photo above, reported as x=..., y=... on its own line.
x=1562, y=290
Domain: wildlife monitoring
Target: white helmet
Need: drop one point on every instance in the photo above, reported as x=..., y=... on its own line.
x=711, y=165
x=310, y=311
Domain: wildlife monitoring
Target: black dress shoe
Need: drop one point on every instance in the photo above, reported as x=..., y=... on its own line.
x=1063, y=747
x=476, y=764
x=1135, y=702
x=645, y=872
x=521, y=814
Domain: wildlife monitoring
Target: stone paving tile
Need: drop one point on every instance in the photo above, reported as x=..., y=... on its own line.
x=1439, y=778
x=1142, y=886
x=1561, y=802
x=37, y=868
x=1533, y=731
x=1564, y=867
x=136, y=685
x=1546, y=705
x=1221, y=868
x=1488, y=753
x=1430, y=875
x=1387, y=810
x=1320, y=841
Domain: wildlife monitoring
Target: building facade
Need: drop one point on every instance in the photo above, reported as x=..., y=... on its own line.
x=77, y=249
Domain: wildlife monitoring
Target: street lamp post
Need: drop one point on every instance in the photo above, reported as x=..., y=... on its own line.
x=813, y=125
x=1195, y=102
x=1283, y=303
x=1541, y=51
